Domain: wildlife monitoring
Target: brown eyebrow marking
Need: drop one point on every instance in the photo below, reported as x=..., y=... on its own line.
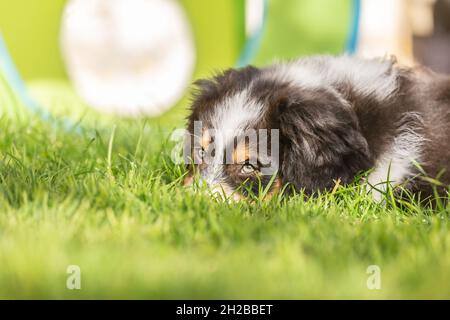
x=241, y=153
x=206, y=139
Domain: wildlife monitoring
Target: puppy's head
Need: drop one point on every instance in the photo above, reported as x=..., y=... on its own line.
x=249, y=132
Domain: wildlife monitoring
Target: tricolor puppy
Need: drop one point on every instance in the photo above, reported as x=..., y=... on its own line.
x=318, y=120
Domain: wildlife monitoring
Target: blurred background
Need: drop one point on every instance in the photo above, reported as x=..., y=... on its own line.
x=138, y=58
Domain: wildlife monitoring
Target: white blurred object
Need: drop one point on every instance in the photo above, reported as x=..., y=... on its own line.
x=385, y=30
x=254, y=16
x=129, y=57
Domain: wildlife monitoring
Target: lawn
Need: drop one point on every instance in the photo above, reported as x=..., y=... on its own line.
x=107, y=198
x=111, y=201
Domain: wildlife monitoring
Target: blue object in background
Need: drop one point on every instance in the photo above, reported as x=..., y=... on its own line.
x=352, y=43
x=9, y=70
x=254, y=41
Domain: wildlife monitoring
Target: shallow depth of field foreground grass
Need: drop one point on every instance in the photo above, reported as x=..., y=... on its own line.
x=112, y=203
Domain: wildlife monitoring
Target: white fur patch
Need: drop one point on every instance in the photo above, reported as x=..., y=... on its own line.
x=374, y=77
x=234, y=115
x=396, y=164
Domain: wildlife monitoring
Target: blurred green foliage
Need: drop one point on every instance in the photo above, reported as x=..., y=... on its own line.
x=31, y=30
x=294, y=28
x=304, y=27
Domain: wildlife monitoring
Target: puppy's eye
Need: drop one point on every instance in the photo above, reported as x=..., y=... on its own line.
x=201, y=153
x=247, y=168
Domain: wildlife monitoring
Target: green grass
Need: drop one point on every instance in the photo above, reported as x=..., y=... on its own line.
x=116, y=208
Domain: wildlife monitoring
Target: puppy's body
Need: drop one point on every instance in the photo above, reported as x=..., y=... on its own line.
x=337, y=117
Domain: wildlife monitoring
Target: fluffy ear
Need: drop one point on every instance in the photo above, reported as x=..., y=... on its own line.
x=321, y=141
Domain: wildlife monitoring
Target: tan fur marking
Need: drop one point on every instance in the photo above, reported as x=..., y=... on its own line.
x=206, y=139
x=275, y=189
x=241, y=153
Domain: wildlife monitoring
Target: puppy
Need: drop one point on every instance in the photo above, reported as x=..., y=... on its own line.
x=316, y=121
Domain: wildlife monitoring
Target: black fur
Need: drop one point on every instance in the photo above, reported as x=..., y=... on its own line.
x=322, y=141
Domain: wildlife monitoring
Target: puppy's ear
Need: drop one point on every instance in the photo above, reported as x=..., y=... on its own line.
x=321, y=140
